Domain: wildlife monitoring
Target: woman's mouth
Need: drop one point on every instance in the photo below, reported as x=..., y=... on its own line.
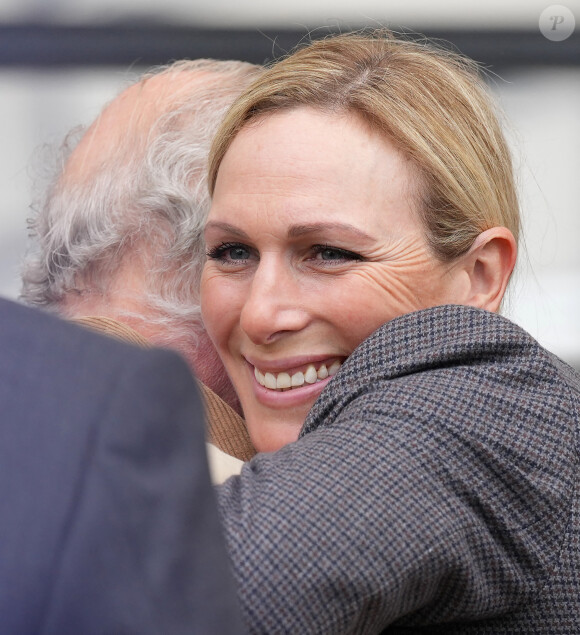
x=284, y=381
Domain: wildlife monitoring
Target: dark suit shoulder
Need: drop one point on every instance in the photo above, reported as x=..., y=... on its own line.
x=107, y=517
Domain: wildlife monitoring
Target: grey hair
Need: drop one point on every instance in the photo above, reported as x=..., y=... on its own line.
x=152, y=204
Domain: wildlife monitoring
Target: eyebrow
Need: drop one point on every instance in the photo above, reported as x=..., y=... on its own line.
x=301, y=230
x=230, y=229
x=295, y=232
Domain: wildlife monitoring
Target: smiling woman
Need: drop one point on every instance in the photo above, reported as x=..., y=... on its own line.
x=351, y=185
x=362, y=234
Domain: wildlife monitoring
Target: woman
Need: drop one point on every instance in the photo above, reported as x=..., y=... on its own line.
x=349, y=189
x=364, y=218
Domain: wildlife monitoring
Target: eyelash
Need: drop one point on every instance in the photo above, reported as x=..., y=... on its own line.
x=218, y=252
x=344, y=253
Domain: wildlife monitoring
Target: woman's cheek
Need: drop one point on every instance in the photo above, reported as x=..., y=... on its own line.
x=213, y=304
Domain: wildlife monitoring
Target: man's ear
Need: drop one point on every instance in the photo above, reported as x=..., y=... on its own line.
x=488, y=265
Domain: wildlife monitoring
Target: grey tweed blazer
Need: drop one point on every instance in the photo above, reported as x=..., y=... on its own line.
x=434, y=489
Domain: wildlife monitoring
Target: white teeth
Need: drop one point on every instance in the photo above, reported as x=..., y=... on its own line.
x=310, y=375
x=269, y=381
x=334, y=368
x=259, y=376
x=283, y=381
x=297, y=379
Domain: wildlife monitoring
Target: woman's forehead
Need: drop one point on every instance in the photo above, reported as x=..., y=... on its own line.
x=305, y=166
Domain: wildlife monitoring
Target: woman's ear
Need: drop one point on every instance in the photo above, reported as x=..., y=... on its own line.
x=488, y=265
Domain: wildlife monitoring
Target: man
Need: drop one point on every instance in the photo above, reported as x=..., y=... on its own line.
x=108, y=522
x=119, y=244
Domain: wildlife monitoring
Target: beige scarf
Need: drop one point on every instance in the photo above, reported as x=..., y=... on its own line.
x=225, y=428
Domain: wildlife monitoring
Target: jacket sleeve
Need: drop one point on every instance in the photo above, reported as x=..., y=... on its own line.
x=397, y=514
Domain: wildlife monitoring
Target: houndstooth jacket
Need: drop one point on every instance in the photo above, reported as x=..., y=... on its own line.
x=434, y=489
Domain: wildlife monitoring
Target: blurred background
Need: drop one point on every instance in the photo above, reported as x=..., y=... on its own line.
x=61, y=60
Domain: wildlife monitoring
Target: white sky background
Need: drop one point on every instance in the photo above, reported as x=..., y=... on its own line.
x=263, y=13
x=542, y=106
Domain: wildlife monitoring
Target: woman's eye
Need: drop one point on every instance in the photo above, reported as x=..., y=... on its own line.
x=334, y=254
x=230, y=252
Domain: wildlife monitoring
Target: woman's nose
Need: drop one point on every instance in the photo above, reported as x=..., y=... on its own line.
x=274, y=306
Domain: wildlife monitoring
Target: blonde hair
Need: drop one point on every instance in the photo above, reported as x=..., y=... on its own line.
x=430, y=102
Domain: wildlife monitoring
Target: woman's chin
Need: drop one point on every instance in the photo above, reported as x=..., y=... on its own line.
x=274, y=418
x=272, y=433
